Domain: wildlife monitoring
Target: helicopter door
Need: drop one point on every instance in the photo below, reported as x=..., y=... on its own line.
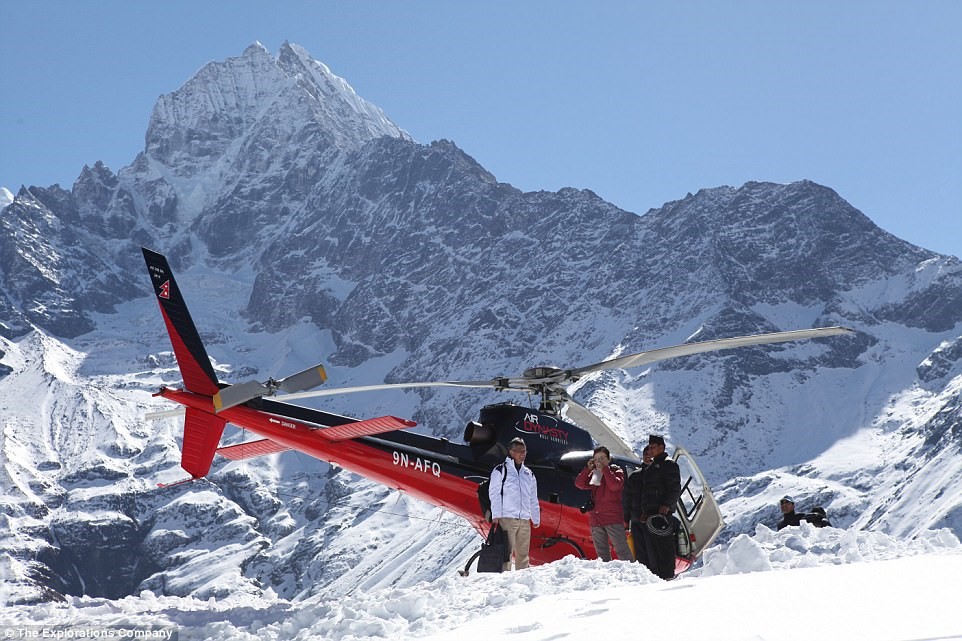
x=697, y=509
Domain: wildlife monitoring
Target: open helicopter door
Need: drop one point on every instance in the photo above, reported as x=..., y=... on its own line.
x=701, y=520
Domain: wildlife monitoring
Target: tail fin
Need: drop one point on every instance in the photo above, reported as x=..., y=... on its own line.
x=202, y=430
x=195, y=367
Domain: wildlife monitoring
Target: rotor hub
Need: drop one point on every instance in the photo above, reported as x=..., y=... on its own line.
x=543, y=371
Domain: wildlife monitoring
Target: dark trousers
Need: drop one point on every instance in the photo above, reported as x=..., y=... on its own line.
x=660, y=551
x=638, y=538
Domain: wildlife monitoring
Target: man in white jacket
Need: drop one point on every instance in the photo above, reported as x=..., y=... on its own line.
x=514, y=502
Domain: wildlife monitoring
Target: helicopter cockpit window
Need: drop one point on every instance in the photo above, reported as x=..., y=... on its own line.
x=691, y=487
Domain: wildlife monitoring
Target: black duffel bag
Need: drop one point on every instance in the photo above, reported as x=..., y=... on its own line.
x=494, y=551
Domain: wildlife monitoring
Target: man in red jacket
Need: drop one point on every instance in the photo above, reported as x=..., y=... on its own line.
x=606, y=481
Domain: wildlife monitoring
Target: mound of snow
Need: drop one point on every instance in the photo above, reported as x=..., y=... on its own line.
x=845, y=583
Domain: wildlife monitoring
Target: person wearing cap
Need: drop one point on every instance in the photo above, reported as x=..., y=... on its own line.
x=661, y=487
x=789, y=515
x=606, y=482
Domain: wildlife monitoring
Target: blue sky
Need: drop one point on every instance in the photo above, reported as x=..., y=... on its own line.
x=641, y=102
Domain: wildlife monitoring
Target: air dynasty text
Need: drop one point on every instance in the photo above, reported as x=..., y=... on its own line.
x=531, y=425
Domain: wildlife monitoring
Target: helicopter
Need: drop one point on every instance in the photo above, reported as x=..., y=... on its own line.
x=560, y=434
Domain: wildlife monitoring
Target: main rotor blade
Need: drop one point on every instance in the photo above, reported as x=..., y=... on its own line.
x=384, y=386
x=308, y=379
x=687, y=349
x=599, y=430
x=238, y=394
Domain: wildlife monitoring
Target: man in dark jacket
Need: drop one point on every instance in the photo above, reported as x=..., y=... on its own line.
x=633, y=506
x=789, y=515
x=660, y=489
x=817, y=517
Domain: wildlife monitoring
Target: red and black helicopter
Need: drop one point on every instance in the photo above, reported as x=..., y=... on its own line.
x=436, y=470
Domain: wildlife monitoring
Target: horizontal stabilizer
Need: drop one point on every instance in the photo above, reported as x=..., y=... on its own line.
x=164, y=486
x=364, y=428
x=156, y=416
x=251, y=449
x=265, y=446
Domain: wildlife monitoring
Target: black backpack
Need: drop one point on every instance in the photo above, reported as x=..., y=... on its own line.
x=483, y=498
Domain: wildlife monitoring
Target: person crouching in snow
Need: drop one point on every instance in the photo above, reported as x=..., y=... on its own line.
x=789, y=515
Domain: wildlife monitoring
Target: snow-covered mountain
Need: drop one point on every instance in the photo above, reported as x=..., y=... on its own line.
x=305, y=226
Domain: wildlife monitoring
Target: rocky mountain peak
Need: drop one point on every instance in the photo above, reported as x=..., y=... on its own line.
x=256, y=100
x=335, y=102
x=767, y=240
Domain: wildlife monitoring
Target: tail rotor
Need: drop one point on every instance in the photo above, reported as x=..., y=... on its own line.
x=242, y=392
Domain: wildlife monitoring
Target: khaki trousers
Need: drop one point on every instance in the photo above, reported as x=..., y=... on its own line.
x=519, y=541
x=602, y=534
